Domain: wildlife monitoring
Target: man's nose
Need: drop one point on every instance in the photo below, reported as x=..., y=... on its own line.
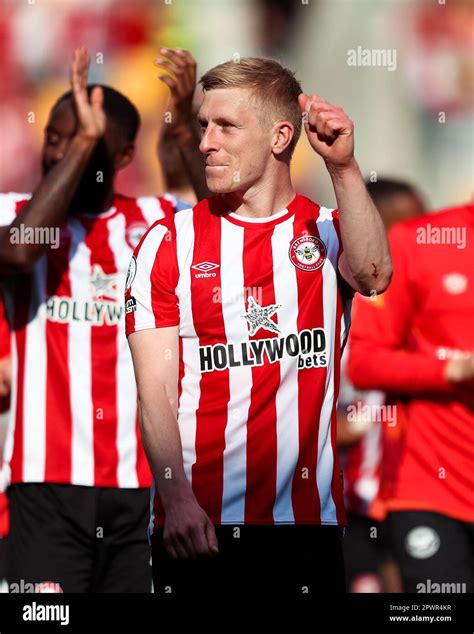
x=208, y=141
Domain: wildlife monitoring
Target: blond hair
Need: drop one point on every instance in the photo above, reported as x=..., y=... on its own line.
x=274, y=87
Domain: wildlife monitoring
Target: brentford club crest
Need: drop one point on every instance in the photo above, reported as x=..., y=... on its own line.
x=134, y=233
x=307, y=253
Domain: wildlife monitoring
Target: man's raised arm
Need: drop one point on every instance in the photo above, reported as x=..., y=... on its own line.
x=51, y=199
x=182, y=125
x=365, y=263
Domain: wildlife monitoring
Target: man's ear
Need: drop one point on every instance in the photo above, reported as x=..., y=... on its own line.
x=125, y=157
x=283, y=134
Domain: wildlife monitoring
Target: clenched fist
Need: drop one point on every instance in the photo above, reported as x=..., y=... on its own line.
x=329, y=130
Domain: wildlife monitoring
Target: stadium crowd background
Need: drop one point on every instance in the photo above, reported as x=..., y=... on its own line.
x=413, y=120
x=396, y=112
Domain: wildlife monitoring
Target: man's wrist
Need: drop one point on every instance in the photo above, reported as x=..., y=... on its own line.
x=85, y=142
x=337, y=170
x=184, y=134
x=176, y=493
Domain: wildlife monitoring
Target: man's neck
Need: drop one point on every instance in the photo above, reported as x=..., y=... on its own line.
x=261, y=200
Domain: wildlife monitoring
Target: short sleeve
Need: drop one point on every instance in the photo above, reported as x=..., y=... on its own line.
x=333, y=216
x=9, y=206
x=152, y=278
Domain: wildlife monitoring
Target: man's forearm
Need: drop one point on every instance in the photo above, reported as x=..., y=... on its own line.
x=48, y=206
x=182, y=126
x=363, y=233
x=187, y=141
x=372, y=367
x=162, y=443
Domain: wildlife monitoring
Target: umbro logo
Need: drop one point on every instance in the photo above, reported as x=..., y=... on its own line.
x=205, y=269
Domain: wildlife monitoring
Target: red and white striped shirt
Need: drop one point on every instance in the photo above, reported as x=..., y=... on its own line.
x=262, y=315
x=74, y=413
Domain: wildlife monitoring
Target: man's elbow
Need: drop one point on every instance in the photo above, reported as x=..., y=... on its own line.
x=376, y=282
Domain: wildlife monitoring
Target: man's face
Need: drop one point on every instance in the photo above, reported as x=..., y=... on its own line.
x=236, y=143
x=59, y=132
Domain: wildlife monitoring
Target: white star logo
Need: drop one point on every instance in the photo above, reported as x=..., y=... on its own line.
x=259, y=316
x=102, y=283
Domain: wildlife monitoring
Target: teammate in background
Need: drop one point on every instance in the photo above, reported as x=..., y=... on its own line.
x=78, y=476
x=369, y=564
x=417, y=340
x=236, y=314
x=396, y=200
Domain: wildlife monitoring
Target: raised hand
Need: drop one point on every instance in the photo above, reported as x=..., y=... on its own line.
x=90, y=111
x=181, y=83
x=329, y=130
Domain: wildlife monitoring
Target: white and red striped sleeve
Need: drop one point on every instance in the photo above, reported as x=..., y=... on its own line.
x=150, y=293
x=334, y=216
x=10, y=205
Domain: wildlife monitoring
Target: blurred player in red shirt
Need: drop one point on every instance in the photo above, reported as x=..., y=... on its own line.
x=417, y=340
x=369, y=565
